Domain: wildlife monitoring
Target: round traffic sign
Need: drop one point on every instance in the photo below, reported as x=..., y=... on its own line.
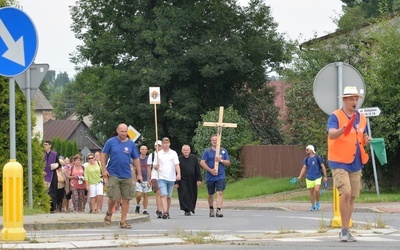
x=18, y=41
x=326, y=85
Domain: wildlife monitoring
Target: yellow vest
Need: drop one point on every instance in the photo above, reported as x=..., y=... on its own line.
x=343, y=149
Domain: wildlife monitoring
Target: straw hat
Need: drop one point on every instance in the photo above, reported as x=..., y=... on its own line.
x=350, y=91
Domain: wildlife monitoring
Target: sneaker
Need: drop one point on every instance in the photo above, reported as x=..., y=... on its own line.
x=317, y=206
x=145, y=212
x=346, y=237
x=137, y=210
x=351, y=238
x=313, y=208
x=212, y=213
x=159, y=214
x=219, y=213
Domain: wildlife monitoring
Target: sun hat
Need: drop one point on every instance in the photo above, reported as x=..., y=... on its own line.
x=311, y=147
x=350, y=91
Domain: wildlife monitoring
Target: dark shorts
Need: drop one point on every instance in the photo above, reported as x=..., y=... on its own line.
x=68, y=196
x=215, y=186
x=118, y=188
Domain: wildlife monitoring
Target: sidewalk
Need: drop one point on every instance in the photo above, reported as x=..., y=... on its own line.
x=74, y=220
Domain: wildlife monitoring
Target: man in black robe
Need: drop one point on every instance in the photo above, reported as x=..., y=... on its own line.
x=190, y=179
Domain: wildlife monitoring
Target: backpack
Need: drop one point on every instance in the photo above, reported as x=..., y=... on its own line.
x=318, y=160
x=152, y=160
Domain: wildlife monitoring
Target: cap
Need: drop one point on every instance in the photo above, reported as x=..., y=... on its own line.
x=157, y=143
x=311, y=147
x=165, y=139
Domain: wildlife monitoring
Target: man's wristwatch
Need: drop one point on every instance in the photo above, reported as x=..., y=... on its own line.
x=222, y=161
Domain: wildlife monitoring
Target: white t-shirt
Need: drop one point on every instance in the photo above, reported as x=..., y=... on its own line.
x=168, y=161
x=150, y=161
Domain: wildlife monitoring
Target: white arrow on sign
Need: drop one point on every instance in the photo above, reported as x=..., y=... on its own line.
x=14, y=47
x=369, y=112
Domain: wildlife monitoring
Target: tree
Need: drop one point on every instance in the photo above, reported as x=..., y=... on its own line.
x=306, y=121
x=358, y=13
x=40, y=198
x=373, y=53
x=62, y=79
x=262, y=113
x=232, y=138
x=373, y=8
x=200, y=53
x=382, y=71
x=5, y=3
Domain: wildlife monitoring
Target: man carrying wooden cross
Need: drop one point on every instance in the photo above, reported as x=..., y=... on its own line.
x=215, y=165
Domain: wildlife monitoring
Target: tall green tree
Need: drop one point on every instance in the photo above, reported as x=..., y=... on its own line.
x=382, y=73
x=62, y=79
x=200, y=53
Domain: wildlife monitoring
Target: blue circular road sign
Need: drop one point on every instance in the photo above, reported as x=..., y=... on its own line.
x=18, y=41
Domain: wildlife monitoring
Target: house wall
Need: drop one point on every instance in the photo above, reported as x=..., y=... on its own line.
x=83, y=139
x=38, y=129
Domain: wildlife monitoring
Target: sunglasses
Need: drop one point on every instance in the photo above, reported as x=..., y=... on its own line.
x=90, y=158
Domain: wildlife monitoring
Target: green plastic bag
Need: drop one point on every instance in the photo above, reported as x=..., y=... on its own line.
x=378, y=144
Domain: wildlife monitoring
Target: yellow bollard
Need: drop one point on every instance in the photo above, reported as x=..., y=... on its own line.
x=13, y=207
x=337, y=219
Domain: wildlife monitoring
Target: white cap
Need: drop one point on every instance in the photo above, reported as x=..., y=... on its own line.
x=157, y=143
x=311, y=147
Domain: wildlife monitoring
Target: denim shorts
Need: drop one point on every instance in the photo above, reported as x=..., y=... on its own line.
x=213, y=186
x=165, y=187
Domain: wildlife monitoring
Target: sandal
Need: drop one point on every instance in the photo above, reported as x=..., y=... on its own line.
x=125, y=225
x=107, y=218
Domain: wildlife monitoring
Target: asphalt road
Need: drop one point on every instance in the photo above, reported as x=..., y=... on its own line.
x=247, y=229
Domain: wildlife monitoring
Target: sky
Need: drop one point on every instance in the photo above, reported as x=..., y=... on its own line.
x=297, y=19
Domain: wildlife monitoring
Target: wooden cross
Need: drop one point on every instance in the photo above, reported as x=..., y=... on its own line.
x=219, y=126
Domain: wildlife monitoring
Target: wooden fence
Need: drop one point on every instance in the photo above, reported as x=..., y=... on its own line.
x=275, y=161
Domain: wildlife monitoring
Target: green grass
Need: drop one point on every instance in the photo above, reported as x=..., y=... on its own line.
x=365, y=197
x=263, y=186
x=27, y=211
x=252, y=187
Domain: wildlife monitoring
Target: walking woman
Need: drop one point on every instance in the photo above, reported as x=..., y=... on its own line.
x=78, y=186
x=94, y=184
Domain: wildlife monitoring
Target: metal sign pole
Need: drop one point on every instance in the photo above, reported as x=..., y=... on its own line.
x=29, y=139
x=371, y=112
x=12, y=120
x=373, y=159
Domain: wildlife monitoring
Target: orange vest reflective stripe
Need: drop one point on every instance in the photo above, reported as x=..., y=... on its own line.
x=343, y=149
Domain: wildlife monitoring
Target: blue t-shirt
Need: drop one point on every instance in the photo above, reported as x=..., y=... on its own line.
x=356, y=165
x=208, y=157
x=313, y=164
x=120, y=154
